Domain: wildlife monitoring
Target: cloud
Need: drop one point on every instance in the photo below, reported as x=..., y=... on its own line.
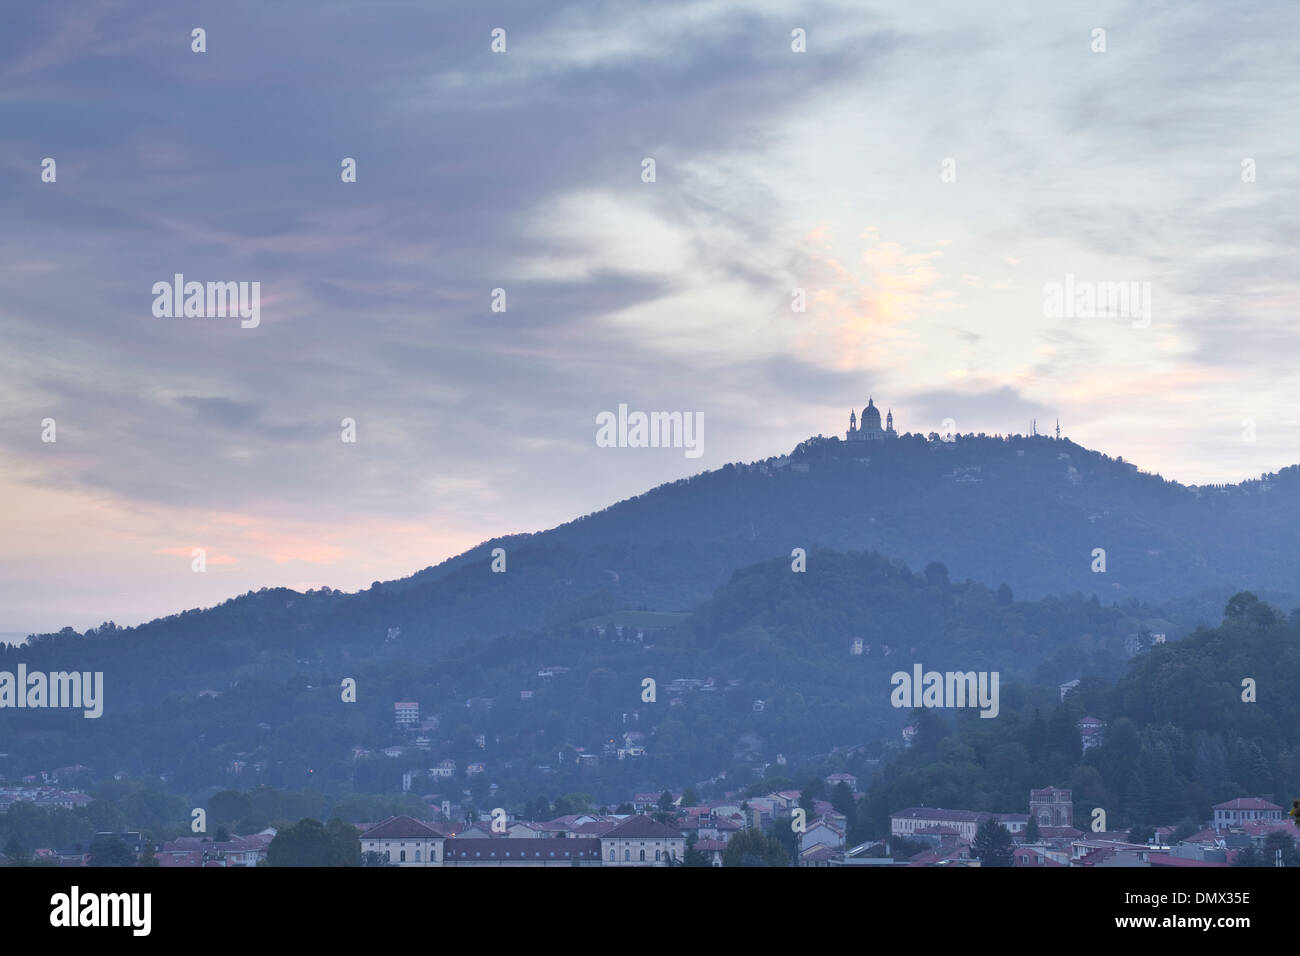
x=521, y=171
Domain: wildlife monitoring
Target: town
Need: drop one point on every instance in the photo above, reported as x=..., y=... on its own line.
x=665, y=830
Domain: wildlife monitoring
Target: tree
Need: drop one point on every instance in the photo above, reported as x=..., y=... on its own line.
x=148, y=857
x=311, y=843
x=902, y=848
x=578, y=802
x=624, y=808
x=1031, y=830
x=1278, y=840
x=842, y=801
x=666, y=801
x=690, y=798
x=992, y=846
x=753, y=848
x=1249, y=609
x=936, y=574
x=1239, y=605
x=227, y=806
x=15, y=851
x=110, y=851
x=1141, y=834
x=694, y=857
x=784, y=834
x=221, y=836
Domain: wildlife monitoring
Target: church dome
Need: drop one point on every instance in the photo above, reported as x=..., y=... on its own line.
x=871, y=413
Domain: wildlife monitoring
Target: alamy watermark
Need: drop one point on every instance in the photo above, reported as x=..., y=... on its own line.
x=950, y=689
x=56, y=689
x=75, y=909
x=653, y=430
x=216, y=300
x=1075, y=299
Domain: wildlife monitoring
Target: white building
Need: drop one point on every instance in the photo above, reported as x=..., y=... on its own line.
x=404, y=841
x=1246, y=810
x=640, y=841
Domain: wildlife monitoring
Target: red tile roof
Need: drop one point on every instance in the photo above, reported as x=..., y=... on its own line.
x=641, y=827
x=938, y=813
x=397, y=828
x=1247, y=803
x=818, y=854
x=1164, y=859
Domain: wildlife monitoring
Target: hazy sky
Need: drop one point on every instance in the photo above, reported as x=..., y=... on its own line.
x=775, y=170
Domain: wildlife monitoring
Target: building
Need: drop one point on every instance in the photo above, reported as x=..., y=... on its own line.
x=1014, y=822
x=821, y=834
x=869, y=429
x=908, y=822
x=499, y=852
x=846, y=778
x=640, y=841
x=1245, y=810
x=1052, y=807
x=406, y=713
x=1033, y=856
x=712, y=850
x=404, y=841
x=1090, y=732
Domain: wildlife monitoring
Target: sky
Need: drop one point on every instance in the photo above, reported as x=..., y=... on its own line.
x=922, y=172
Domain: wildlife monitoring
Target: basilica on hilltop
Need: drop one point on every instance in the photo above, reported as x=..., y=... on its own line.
x=870, y=429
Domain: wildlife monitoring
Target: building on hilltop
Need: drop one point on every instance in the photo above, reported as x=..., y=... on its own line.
x=870, y=429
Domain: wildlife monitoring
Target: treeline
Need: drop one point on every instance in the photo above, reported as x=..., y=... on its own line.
x=778, y=645
x=1192, y=724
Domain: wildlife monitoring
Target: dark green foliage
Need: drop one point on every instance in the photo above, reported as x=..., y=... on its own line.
x=692, y=856
x=16, y=852
x=311, y=843
x=110, y=851
x=992, y=845
x=754, y=848
x=903, y=848
x=1178, y=736
x=1267, y=854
